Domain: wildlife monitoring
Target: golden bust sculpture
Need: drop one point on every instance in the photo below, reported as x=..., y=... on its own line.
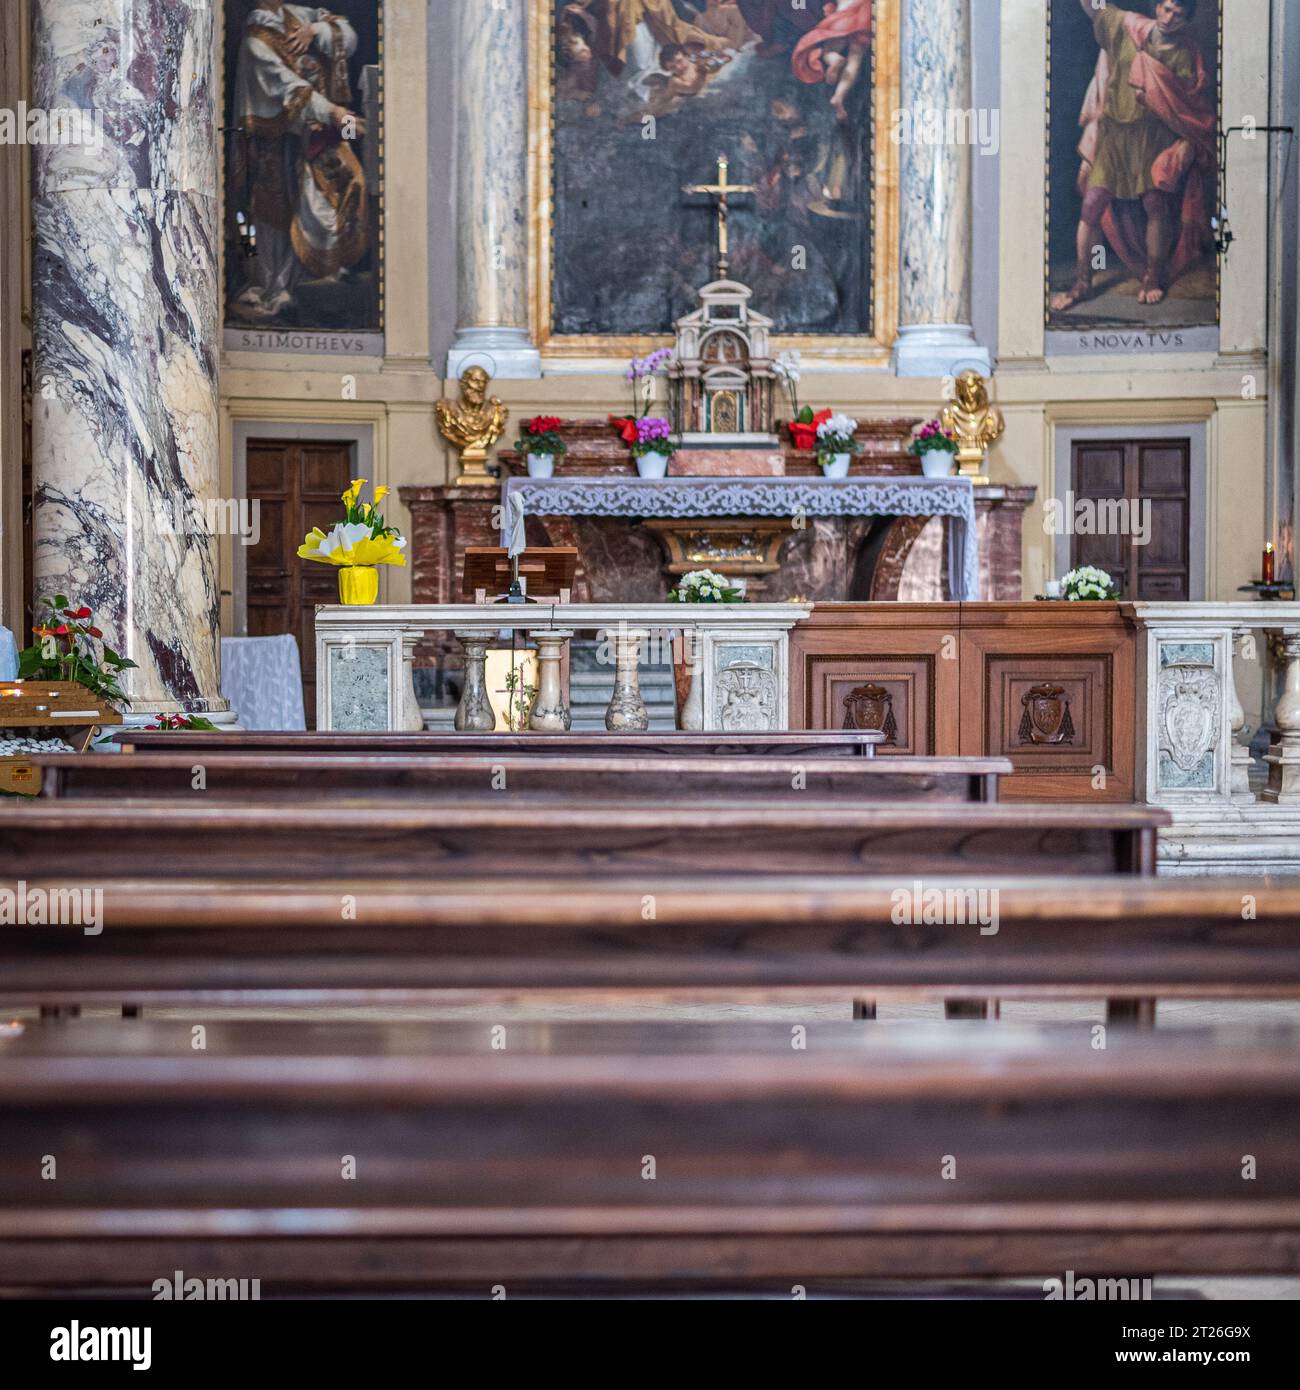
x=974, y=423
x=473, y=424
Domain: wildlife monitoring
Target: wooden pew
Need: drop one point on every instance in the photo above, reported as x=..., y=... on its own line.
x=804, y=744
x=515, y=776
x=381, y=1158
x=204, y=943
x=494, y=840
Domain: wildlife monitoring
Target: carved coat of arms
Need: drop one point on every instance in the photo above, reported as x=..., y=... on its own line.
x=1045, y=717
x=870, y=707
x=746, y=698
x=1188, y=713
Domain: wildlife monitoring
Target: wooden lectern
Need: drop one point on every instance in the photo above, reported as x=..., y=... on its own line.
x=544, y=572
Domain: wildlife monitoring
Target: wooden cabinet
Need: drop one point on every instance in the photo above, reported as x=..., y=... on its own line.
x=1052, y=686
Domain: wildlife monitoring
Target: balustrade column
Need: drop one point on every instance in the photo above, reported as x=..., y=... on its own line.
x=474, y=714
x=1284, y=756
x=627, y=711
x=551, y=708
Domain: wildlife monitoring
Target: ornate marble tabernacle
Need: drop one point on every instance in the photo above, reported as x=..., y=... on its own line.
x=738, y=655
x=785, y=497
x=125, y=284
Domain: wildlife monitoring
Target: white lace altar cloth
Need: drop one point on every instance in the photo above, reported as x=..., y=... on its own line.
x=743, y=497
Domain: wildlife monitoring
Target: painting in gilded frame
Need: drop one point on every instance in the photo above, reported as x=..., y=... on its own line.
x=642, y=98
x=303, y=97
x=1132, y=164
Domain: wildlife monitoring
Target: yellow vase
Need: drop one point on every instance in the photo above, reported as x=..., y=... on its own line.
x=358, y=583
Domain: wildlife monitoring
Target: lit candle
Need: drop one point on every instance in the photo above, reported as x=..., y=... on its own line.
x=1268, y=562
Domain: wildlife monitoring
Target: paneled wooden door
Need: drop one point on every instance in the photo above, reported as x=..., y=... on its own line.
x=298, y=484
x=1153, y=478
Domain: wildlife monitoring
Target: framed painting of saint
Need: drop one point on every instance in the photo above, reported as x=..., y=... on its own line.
x=642, y=97
x=303, y=125
x=1132, y=163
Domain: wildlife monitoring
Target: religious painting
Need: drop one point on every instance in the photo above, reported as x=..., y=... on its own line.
x=303, y=132
x=647, y=96
x=1133, y=166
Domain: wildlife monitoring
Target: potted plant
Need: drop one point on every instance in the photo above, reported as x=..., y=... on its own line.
x=935, y=447
x=541, y=444
x=803, y=428
x=836, y=445
x=181, y=723
x=357, y=545
x=705, y=586
x=1088, y=583
x=648, y=436
x=65, y=650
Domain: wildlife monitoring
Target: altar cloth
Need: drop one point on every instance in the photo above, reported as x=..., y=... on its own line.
x=951, y=497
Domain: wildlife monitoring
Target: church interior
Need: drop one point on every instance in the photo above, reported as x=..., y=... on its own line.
x=649, y=648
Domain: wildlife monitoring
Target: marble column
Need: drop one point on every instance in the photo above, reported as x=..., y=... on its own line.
x=551, y=709
x=627, y=713
x=1284, y=757
x=937, y=142
x=474, y=713
x=492, y=191
x=125, y=317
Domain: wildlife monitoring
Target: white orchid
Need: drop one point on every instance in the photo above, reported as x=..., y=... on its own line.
x=787, y=363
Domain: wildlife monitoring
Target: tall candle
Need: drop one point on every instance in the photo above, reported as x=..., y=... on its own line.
x=1268, y=562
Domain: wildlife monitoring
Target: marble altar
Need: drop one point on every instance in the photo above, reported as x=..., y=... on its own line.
x=739, y=658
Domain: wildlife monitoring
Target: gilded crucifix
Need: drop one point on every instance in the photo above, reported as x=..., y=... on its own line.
x=721, y=190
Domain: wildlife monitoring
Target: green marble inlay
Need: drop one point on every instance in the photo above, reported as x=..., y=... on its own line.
x=358, y=679
x=1186, y=654
x=1198, y=778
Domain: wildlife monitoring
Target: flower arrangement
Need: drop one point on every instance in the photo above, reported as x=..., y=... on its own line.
x=540, y=437
x=1088, y=582
x=788, y=368
x=187, y=723
x=65, y=650
x=803, y=428
x=645, y=369
x=932, y=438
x=704, y=586
x=835, y=436
x=362, y=538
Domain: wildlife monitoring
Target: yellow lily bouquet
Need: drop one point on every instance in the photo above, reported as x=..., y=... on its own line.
x=359, y=543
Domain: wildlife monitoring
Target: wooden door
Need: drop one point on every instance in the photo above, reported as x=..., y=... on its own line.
x=298, y=485
x=1151, y=559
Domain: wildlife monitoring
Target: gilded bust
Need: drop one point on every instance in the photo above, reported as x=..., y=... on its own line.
x=475, y=422
x=974, y=423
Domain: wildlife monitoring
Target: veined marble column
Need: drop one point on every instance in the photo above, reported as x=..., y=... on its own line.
x=126, y=275
x=492, y=191
x=935, y=336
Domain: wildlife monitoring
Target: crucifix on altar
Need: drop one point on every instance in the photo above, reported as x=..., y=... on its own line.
x=722, y=191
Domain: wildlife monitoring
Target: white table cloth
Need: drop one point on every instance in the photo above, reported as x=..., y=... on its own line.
x=261, y=677
x=691, y=497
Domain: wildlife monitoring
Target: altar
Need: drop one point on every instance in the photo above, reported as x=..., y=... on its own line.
x=793, y=499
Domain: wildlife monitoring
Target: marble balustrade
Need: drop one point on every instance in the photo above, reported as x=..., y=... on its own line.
x=738, y=654
x=1192, y=756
